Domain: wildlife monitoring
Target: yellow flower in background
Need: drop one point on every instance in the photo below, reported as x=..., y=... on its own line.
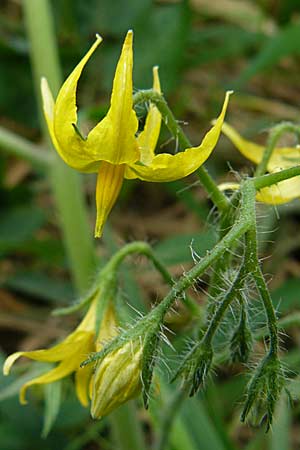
x=117, y=378
x=112, y=148
x=70, y=352
x=282, y=158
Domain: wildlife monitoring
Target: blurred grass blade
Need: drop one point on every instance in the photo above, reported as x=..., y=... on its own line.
x=279, y=438
x=52, y=405
x=285, y=43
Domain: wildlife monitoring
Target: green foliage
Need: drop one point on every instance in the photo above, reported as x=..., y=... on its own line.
x=198, y=53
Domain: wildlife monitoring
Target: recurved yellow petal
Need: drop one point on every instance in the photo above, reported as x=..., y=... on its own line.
x=72, y=147
x=54, y=354
x=282, y=157
x=277, y=194
x=109, y=183
x=113, y=139
x=166, y=167
x=148, y=138
x=48, y=108
x=280, y=193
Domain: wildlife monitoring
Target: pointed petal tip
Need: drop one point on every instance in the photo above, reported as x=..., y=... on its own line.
x=9, y=362
x=98, y=38
x=22, y=394
x=99, y=230
x=129, y=38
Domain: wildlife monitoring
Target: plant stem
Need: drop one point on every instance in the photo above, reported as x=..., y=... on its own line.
x=230, y=295
x=18, y=146
x=144, y=96
x=145, y=249
x=274, y=178
x=275, y=134
x=240, y=227
x=68, y=190
x=66, y=183
x=255, y=270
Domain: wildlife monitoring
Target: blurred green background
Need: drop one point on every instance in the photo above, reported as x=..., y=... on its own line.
x=203, y=48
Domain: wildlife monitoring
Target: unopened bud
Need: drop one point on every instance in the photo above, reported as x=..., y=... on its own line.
x=117, y=378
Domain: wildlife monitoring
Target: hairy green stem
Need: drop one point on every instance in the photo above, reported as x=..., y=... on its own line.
x=256, y=272
x=144, y=96
x=66, y=183
x=275, y=134
x=230, y=295
x=187, y=280
x=145, y=249
x=240, y=227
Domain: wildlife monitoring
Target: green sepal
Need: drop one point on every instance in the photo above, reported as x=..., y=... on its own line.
x=241, y=341
x=148, y=363
x=263, y=391
x=195, y=367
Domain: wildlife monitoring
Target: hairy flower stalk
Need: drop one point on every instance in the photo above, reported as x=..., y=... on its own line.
x=112, y=148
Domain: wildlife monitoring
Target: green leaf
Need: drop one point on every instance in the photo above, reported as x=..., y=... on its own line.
x=18, y=225
x=201, y=427
x=52, y=405
x=13, y=387
x=215, y=43
x=279, y=438
x=183, y=247
x=287, y=295
x=285, y=43
x=41, y=286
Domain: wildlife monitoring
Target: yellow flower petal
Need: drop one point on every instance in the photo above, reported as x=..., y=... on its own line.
x=282, y=157
x=280, y=193
x=109, y=183
x=113, y=139
x=108, y=328
x=48, y=108
x=82, y=382
x=276, y=194
x=166, y=167
x=67, y=366
x=54, y=354
x=72, y=146
x=148, y=138
x=228, y=185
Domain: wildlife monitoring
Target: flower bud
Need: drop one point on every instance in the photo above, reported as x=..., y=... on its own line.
x=117, y=378
x=264, y=391
x=196, y=367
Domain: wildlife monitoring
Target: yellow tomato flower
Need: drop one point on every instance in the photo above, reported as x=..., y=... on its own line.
x=70, y=352
x=282, y=158
x=117, y=378
x=112, y=148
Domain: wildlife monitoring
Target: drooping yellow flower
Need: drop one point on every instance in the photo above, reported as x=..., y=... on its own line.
x=112, y=148
x=282, y=158
x=117, y=378
x=70, y=352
